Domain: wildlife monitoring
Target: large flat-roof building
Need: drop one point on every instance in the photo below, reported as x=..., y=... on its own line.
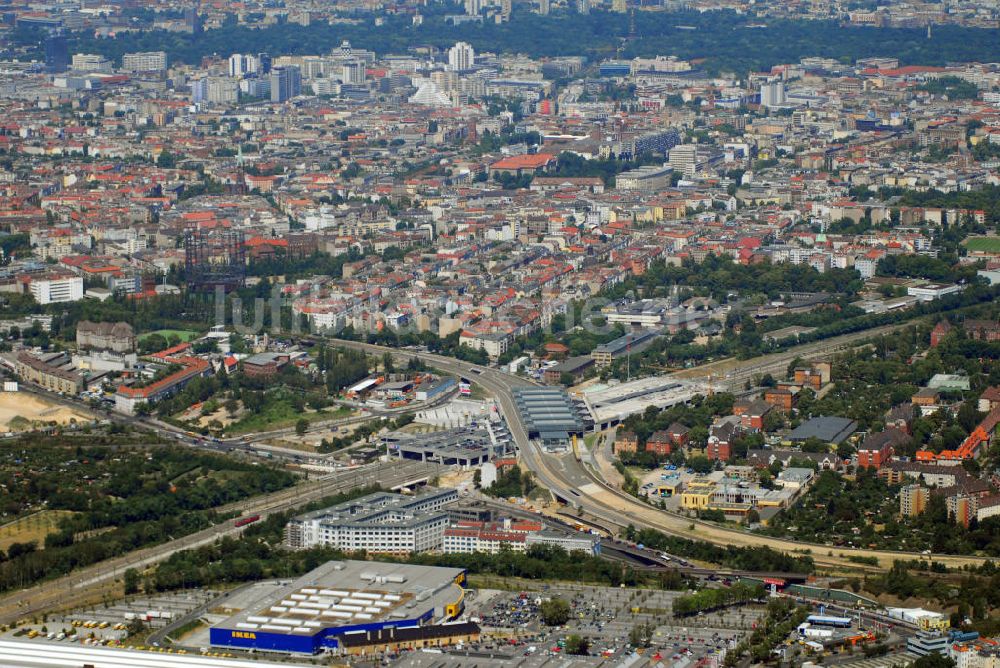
x=610, y=404
x=645, y=179
x=574, y=368
x=579, y=542
x=825, y=428
x=633, y=342
x=340, y=603
x=464, y=446
x=382, y=522
x=145, y=61
x=642, y=313
x=549, y=414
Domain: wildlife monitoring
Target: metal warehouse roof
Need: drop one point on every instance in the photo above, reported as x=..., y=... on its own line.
x=547, y=410
x=829, y=429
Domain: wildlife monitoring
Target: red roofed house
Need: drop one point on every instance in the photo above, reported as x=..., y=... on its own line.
x=127, y=399
x=877, y=448
x=659, y=443
x=260, y=248
x=626, y=441
x=532, y=163
x=939, y=332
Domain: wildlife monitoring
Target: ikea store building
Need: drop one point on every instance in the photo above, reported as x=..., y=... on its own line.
x=342, y=600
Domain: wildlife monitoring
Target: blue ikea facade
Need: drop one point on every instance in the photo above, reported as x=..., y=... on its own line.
x=299, y=643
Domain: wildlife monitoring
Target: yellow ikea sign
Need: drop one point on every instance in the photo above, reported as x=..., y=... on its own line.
x=245, y=635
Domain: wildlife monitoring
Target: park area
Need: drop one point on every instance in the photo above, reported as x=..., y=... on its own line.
x=32, y=528
x=20, y=411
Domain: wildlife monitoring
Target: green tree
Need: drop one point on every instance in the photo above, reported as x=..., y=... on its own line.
x=577, y=645
x=131, y=581
x=933, y=661
x=641, y=635
x=554, y=612
x=166, y=160
x=700, y=464
x=302, y=426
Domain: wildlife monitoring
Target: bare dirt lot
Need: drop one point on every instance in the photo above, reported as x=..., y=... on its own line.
x=34, y=409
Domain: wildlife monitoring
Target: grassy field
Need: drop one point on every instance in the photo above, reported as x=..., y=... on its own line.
x=281, y=414
x=983, y=244
x=186, y=630
x=182, y=334
x=34, y=527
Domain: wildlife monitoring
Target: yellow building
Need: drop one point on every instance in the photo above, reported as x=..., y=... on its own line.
x=698, y=495
x=913, y=500
x=669, y=488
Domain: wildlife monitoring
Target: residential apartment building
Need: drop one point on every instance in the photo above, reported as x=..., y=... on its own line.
x=626, y=441
x=52, y=371
x=913, y=500
x=660, y=443
x=128, y=399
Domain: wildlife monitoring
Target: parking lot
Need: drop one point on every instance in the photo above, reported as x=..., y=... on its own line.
x=513, y=630
x=606, y=616
x=109, y=625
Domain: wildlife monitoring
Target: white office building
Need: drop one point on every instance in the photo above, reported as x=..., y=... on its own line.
x=684, y=159
x=55, y=287
x=772, y=94
x=353, y=72
x=461, y=57
x=145, y=61
x=383, y=523
x=241, y=64
x=587, y=544
x=91, y=63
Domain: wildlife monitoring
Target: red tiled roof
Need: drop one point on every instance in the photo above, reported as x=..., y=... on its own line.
x=192, y=366
x=529, y=161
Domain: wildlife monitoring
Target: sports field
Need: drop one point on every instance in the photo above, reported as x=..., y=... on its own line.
x=983, y=244
x=182, y=334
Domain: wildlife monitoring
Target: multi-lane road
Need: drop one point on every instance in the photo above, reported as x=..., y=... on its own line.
x=570, y=480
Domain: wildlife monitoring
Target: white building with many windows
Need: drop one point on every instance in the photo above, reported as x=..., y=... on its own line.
x=383, y=523
x=54, y=287
x=145, y=61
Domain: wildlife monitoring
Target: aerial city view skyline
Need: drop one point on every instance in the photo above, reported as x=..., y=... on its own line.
x=500, y=333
